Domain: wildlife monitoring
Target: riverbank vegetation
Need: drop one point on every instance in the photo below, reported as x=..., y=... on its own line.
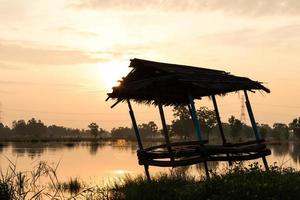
x=181, y=128
x=235, y=183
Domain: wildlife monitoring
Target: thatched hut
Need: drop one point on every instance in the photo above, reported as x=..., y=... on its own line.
x=163, y=84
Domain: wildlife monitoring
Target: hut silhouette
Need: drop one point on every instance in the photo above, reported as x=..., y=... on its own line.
x=163, y=84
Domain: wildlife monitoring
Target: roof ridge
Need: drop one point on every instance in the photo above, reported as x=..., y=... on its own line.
x=134, y=60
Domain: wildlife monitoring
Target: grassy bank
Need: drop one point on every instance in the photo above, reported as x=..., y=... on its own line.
x=237, y=183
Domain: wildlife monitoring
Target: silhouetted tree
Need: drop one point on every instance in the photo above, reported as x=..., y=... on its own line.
x=236, y=126
x=148, y=130
x=295, y=126
x=94, y=129
x=32, y=127
x=36, y=127
x=153, y=127
x=122, y=133
x=265, y=130
x=54, y=130
x=4, y=130
x=280, y=131
x=102, y=132
x=207, y=119
x=181, y=112
x=20, y=127
x=182, y=125
x=60, y=131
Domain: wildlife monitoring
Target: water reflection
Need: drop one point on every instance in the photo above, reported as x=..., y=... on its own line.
x=100, y=160
x=70, y=145
x=295, y=152
x=94, y=147
x=280, y=149
x=36, y=149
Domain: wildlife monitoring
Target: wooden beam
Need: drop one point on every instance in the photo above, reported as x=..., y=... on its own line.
x=254, y=126
x=220, y=123
x=218, y=119
x=200, y=159
x=165, y=131
x=191, y=151
x=146, y=167
x=198, y=130
x=138, y=137
x=135, y=126
x=116, y=103
x=195, y=118
x=251, y=116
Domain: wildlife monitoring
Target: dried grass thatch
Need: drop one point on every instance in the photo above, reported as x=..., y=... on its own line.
x=171, y=84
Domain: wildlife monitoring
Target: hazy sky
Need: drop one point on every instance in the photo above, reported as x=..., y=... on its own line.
x=59, y=58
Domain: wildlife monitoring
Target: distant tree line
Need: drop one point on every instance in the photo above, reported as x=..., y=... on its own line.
x=181, y=128
x=37, y=129
x=234, y=129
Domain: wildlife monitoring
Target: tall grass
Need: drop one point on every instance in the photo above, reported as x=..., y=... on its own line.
x=43, y=183
x=73, y=186
x=246, y=183
x=28, y=184
x=236, y=183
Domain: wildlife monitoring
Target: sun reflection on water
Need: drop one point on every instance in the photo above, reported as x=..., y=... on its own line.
x=121, y=172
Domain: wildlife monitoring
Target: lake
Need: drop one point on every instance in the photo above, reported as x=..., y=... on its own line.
x=100, y=163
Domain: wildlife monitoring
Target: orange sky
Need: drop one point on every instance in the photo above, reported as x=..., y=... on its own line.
x=59, y=58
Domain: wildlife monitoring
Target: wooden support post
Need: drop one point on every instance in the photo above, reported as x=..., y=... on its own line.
x=254, y=126
x=220, y=123
x=138, y=137
x=165, y=131
x=195, y=119
x=206, y=170
x=218, y=119
x=197, y=127
x=135, y=127
x=146, y=167
x=251, y=116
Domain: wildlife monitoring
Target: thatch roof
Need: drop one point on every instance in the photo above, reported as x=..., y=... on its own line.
x=170, y=84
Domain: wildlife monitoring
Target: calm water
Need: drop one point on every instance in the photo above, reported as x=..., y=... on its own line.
x=101, y=163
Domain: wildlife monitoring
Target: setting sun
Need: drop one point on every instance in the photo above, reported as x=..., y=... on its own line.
x=111, y=72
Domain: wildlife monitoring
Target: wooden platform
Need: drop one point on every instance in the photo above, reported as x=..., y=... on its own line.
x=188, y=153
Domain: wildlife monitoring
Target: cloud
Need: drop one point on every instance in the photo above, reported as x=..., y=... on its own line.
x=72, y=30
x=9, y=66
x=15, y=55
x=127, y=51
x=284, y=36
x=6, y=92
x=31, y=83
x=237, y=7
x=44, y=55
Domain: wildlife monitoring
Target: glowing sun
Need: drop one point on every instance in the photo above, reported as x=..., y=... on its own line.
x=111, y=72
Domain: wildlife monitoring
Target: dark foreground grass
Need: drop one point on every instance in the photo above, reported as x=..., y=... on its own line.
x=238, y=183
x=73, y=186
